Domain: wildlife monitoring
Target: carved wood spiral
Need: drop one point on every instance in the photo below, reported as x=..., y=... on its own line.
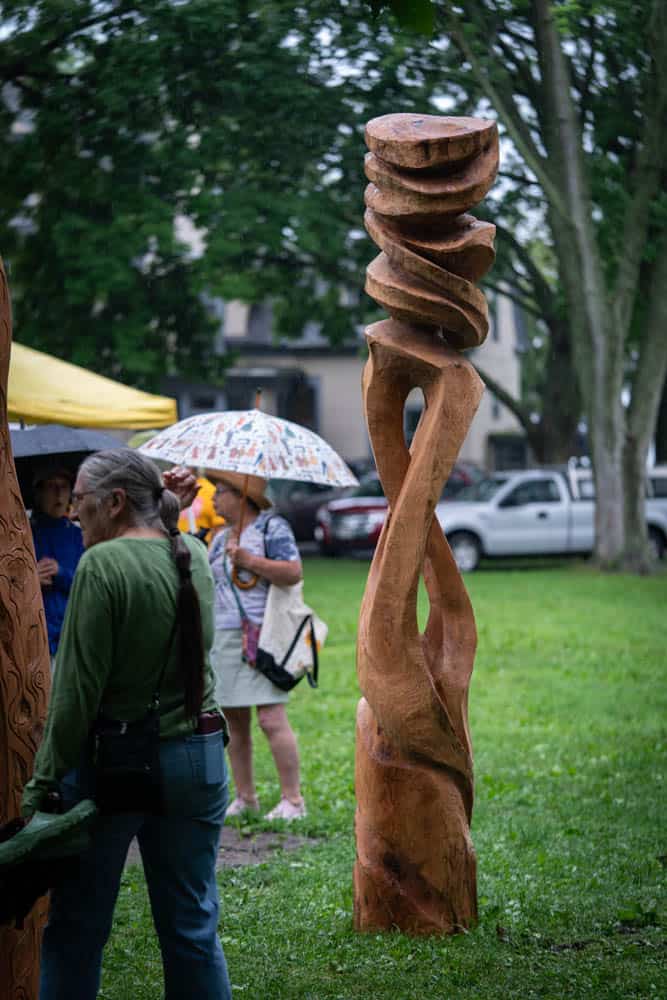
x=415, y=867
x=24, y=676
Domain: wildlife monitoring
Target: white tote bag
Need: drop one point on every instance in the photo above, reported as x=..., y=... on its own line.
x=291, y=638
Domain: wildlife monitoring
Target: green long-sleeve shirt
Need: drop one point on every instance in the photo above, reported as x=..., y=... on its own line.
x=112, y=647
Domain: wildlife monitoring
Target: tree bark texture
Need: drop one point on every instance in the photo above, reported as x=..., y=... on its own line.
x=415, y=869
x=603, y=343
x=642, y=416
x=553, y=440
x=661, y=429
x=24, y=676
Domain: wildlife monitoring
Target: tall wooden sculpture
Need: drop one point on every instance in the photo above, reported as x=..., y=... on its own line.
x=415, y=867
x=24, y=676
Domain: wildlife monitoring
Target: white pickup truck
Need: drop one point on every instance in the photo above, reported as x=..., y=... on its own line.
x=532, y=513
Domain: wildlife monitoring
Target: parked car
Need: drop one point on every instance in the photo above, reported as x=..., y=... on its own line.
x=657, y=482
x=299, y=502
x=353, y=522
x=529, y=513
x=583, y=483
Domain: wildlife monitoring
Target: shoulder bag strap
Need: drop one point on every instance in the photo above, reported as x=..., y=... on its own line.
x=312, y=677
x=270, y=518
x=234, y=591
x=167, y=654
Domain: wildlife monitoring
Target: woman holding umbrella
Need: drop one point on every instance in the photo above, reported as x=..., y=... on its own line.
x=242, y=449
x=254, y=551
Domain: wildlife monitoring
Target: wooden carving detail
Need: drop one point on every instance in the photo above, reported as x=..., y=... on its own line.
x=415, y=867
x=24, y=676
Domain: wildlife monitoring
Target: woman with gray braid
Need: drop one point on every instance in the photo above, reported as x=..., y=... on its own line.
x=142, y=599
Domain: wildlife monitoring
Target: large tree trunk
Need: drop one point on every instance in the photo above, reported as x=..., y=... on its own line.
x=607, y=434
x=24, y=677
x=602, y=347
x=561, y=398
x=661, y=429
x=642, y=415
x=554, y=439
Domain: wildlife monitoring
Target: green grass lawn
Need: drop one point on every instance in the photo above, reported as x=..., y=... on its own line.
x=569, y=721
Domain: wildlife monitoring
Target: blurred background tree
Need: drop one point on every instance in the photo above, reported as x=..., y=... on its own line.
x=246, y=118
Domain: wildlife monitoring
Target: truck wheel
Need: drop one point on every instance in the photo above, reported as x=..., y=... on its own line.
x=466, y=550
x=656, y=544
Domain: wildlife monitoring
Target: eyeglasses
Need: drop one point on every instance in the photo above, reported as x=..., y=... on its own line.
x=224, y=489
x=78, y=497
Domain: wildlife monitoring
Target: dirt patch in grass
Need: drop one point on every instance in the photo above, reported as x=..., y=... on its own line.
x=238, y=849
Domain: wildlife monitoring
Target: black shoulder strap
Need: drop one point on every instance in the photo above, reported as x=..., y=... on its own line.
x=167, y=654
x=272, y=517
x=265, y=529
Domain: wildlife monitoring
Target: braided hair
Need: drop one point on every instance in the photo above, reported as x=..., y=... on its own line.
x=154, y=506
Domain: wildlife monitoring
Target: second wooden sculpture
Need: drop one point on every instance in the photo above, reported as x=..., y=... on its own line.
x=24, y=677
x=415, y=868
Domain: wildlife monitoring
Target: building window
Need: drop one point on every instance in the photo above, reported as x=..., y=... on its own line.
x=507, y=451
x=202, y=402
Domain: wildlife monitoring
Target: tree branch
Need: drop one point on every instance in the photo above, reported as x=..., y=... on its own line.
x=650, y=161
x=521, y=412
x=589, y=72
x=542, y=291
x=649, y=377
x=508, y=111
x=503, y=289
x=568, y=149
x=517, y=178
x=523, y=73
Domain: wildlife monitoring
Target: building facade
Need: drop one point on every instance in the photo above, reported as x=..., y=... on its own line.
x=308, y=381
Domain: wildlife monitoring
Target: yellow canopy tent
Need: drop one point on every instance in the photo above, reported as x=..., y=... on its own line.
x=43, y=389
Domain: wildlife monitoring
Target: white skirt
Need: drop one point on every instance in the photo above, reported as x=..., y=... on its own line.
x=238, y=685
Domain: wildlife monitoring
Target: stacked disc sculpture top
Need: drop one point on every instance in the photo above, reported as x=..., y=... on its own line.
x=415, y=869
x=425, y=172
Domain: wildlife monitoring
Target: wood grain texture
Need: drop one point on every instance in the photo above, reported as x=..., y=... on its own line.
x=24, y=676
x=432, y=251
x=415, y=869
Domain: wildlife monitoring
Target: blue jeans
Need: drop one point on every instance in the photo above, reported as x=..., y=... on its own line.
x=178, y=850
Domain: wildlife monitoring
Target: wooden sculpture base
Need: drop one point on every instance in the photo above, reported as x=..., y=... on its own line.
x=415, y=868
x=24, y=678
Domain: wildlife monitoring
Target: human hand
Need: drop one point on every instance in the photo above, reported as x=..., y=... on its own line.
x=232, y=546
x=240, y=558
x=46, y=570
x=183, y=483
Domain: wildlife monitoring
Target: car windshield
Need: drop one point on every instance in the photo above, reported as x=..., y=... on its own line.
x=483, y=490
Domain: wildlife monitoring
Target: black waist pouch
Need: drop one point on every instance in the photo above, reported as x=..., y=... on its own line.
x=127, y=764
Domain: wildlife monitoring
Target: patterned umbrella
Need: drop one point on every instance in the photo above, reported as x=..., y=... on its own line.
x=250, y=442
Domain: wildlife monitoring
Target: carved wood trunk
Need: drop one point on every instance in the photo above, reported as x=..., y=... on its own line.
x=24, y=676
x=415, y=867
